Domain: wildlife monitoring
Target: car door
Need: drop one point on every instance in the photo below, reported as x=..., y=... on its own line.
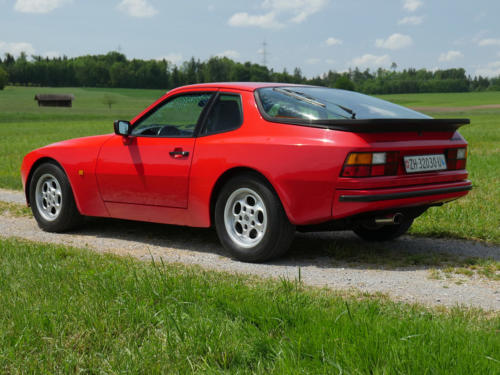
x=152, y=165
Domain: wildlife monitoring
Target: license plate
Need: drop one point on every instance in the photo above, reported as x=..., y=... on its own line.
x=424, y=163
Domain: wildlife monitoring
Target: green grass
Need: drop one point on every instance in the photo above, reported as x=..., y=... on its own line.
x=70, y=311
x=24, y=126
x=13, y=209
x=477, y=216
x=88, y=104
x=453, y=99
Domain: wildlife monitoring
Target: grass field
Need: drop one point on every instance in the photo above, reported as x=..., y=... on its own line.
x=24, y=126
x=70, y=311
x=452, y=99
x=477, y=216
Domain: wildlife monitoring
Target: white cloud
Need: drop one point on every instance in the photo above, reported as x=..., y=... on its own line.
x=174, y=58
x=412, y=5
x=450, y=56
x=333, y=41
x=266, y=21
x=395, y=41
x=411, y=20
x=489, y=42
x=299, y=10
x=232, y=54
x=371, y=61
x=15, y=49
x=490, y=70
x=313, y=61
x=294, y=11
x=38, y=6
x=330, y=61
x=481, y=34
x=137, y=8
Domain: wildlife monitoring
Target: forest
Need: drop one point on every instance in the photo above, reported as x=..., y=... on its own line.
x=115, y=70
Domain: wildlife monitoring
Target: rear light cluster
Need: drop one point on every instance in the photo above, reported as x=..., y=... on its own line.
x=456, y=158
x=370, y=164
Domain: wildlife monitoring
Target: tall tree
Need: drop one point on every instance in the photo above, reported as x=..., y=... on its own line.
x=4, y=78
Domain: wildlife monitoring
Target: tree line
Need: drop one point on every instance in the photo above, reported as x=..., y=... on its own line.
x=115, y=70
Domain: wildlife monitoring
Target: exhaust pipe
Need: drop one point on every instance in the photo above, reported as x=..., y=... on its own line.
x=393, y=219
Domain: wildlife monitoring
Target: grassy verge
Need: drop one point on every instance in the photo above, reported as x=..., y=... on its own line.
x=13, y=209
x=67, y=310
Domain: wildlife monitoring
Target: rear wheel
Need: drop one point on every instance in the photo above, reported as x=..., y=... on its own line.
x=250, y=220
x=382, y=233
x=52, y=200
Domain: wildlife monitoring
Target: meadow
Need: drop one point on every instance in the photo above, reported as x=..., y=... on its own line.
x=25, y=126
x=65, y=310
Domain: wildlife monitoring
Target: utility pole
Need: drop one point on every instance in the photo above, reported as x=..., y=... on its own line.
x=263, y=51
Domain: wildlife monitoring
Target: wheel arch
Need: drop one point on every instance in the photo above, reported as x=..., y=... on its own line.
x=34, y=166
x=230, y=173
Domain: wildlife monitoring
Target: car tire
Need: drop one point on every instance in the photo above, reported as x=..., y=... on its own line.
x=384, y=233
x=51, y=199
x=250, y=220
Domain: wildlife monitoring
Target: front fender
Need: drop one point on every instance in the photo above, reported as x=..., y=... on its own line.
x=78, y=160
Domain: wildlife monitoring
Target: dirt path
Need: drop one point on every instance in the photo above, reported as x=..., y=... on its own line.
x=455, y=109
x=310, y=252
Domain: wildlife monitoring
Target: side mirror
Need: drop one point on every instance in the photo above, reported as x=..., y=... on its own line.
x=122, y=127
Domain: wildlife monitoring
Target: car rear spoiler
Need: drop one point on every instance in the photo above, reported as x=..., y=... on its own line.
x=381, y=125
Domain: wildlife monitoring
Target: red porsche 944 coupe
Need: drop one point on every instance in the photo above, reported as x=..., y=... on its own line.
x=258, y=161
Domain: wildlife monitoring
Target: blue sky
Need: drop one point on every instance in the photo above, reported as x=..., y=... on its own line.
x=315, y=35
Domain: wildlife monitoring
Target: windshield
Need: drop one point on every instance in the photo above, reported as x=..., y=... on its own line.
x=320, y=103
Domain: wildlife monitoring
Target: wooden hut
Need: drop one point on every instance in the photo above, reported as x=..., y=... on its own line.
x=54, y=100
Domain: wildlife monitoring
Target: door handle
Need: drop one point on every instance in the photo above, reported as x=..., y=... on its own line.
x=178, y=153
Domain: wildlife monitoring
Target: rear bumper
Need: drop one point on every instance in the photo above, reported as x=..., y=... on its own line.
x=348, y=202
x=402, y=195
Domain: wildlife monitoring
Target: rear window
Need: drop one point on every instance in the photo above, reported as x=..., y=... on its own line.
x=320, y=103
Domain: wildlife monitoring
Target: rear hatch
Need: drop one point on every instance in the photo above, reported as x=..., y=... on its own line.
x=407, y=143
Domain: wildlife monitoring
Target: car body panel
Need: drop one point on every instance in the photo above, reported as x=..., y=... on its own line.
x=136, y=178
x=345, y=208
x=78, y=159
x=140, y=170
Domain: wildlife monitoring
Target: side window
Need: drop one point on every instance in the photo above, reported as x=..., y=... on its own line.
x=176, y=118
x=225, y=115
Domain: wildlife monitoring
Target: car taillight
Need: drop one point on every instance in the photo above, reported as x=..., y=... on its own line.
x=370, y=164
x=456, y=158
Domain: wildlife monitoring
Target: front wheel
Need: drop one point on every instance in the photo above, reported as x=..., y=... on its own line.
x=250, y=220
x=382, y=233
x=52, y=200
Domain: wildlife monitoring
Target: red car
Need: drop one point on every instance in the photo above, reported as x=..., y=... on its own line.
x=257, y=161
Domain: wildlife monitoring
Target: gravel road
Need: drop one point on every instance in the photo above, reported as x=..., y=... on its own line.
x=311, y=253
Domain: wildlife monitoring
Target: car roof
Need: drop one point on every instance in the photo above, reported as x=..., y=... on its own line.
x=245, y=86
